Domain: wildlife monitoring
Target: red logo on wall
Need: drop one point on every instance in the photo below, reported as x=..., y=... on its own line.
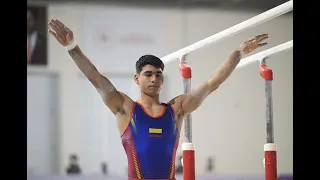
x=106, y=38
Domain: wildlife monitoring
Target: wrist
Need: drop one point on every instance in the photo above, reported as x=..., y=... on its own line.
x=240, y=52
x=71, y=46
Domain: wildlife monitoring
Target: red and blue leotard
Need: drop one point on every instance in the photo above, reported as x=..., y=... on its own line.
x=151, y=144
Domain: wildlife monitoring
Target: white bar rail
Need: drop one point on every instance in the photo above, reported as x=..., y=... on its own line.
x=254, y=21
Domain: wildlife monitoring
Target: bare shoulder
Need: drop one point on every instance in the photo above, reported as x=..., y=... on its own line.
x=176, y=102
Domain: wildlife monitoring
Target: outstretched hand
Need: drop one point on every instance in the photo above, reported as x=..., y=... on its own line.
x=61, y=32
x=253, y=43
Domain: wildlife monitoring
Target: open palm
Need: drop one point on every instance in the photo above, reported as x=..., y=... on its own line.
x=253, y=43
x=61, y=32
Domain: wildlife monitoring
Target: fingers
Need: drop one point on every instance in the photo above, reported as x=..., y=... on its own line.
x=251, y=39
x=262, y=37
x=262, y=44
x=53, y=26
x=65, y=28
x=52, y=33
x=58, y=27
x=257, y=39
x=62, y=27
x=59, y=23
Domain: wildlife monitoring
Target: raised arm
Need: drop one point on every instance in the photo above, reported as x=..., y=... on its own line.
x=111, y=97
x=191, y=101
x=109, y=94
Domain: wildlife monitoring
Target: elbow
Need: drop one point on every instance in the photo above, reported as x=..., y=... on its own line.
x=215, y=87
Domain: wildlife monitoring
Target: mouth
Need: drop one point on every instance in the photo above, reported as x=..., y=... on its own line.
x=154, y=87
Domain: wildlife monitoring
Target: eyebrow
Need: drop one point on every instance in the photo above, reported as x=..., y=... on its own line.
x=157, y=72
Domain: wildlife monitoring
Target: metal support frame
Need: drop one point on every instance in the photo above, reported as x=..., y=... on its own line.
x=188, y=160
x=270, y=151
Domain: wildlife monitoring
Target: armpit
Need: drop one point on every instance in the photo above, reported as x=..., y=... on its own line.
x=177, y=105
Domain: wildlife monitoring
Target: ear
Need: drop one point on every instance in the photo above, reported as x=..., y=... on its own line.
x=136, y=79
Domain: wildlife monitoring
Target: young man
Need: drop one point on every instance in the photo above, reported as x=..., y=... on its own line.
x=150, y=129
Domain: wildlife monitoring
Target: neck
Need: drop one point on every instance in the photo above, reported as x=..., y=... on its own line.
x=148, y=100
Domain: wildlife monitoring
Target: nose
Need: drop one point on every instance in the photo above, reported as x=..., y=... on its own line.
x=154, y=79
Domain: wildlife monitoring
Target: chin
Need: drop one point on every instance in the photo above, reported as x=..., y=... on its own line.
x=152, y=93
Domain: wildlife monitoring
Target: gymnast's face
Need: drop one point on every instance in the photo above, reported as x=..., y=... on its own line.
x=150, y=80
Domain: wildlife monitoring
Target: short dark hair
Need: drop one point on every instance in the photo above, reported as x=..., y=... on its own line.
x=149, y=60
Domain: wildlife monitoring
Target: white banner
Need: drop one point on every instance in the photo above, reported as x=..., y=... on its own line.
x=115, y=37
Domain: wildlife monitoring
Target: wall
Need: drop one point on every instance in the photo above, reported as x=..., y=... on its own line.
x=234, y=132
x=42, y=118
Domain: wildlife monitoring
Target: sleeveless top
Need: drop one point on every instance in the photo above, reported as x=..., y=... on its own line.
x=151, y=144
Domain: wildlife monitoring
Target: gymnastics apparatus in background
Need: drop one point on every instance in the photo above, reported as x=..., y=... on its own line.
x=270, y=159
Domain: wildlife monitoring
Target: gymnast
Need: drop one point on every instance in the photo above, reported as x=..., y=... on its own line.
x=150, y=129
